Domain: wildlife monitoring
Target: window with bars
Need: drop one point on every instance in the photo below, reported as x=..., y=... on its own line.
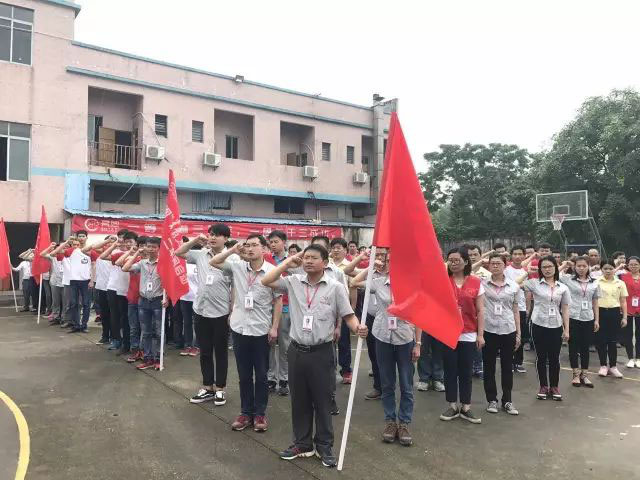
x=288, y=205
x=197, y=131
x=326, y=151
x=16, y=31
x=208, y=201
x=231, y=146
x=161, y=126
x=351, y=151
x=15, y=147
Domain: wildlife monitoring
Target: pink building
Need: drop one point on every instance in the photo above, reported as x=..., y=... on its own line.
x=89, y=131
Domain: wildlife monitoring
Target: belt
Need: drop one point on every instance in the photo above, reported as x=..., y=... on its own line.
x=309, y=348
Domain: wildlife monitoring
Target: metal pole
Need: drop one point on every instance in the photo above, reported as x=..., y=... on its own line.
x=39, y=299
x=13, y=287
x=164, y=314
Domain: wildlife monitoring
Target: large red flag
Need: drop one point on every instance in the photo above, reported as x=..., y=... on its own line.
x=5, y=267
x=422, y=292
x=43, y=240
x=171, y=268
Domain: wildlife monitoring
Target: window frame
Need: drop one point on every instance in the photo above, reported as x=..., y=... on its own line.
x=123, y=200
x=12, y=20
x=289, y=201
x=166, y=125
x=352, y=149
x=328, y=159
x=195, y=202
x=9, y=137
x=226, y=149
x=201, y=127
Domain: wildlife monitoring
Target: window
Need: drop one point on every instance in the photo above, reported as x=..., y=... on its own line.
x=197, y=131
x=289, y=205
x=326, y=151
x=350, y=154
x=15, y=145
x=231, y=146
x=93, y=128
x=116, y=194
x=207, y=201
x=16, y=29
x=161, y=125
x=365, y=164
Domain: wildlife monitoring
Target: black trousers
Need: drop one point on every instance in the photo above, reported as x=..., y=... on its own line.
x=311, y=375
x=580, y=338
x=547, y=343
x=607, y=336
x=494, y=344
x=252, y=357
x=371, y=350
x=627, y=335
x=518, y=355
x=213, y=338
x=118, y=317
x=105, y=313
x=458, y=367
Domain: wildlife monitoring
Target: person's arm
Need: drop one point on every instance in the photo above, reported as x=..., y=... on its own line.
x=480, y=313
x=415, y=353
x=122, y=259
x=45, y=253
x=185, y=247
x=276, y=316
x=516, y=317
x=528, y=298
x=349, y=269
x=24, y=255
x=360, y=280
x=355, y=326
x=270, y=279
x=565, y=266
x=565, y=322
x=99, y=245
x=596, y=313
x=58, y=250
x=529, y=259
x=218, y=260
x=106, y=254
x=623, y=307
x=129, y=264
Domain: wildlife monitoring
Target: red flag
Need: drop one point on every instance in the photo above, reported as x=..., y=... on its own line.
x=422, y=292
x=5, y=266
x=43, y=240
x=171, y=268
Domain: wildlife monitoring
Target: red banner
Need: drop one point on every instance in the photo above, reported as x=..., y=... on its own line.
x=191, y=228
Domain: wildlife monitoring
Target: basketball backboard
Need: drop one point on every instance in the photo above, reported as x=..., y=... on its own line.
x=571, y=205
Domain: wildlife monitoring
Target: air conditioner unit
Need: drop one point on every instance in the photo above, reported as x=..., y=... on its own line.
x=211, y=159
x=154, y=152
x=310, y=172
x=360, y=177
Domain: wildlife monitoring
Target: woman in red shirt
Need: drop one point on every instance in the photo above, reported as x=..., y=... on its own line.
x=632, y=280
x=458, y=362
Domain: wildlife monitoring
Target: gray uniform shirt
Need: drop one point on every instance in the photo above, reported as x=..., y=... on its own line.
x=373, y=301
x=255, y=317
x=544, y=297
x=55, y=279
x=213, y=298
x=582, y=295
x=404, y=332
x=498, y=306
x=325, y=302
x=150, y=284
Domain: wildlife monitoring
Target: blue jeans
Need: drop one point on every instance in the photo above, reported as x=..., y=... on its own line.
x=389, y=358
x=344, y=349
x=79, y=288
x=252, y=355
x=430, y=361
x=183, y=333
x=150, y=315
x=134, y=325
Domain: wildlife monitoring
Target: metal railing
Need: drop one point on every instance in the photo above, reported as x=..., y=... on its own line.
x=113, y=155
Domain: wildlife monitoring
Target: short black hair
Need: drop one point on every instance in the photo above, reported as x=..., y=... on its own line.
x=471, y=247
x=362, y=247
x=354, y=242
x=556, y=250
x=276, y=233
x=530, y=246
x=131, y=235
x=633, y=257
x=220, y=229
x=78, y=232
x=465, y=258
x=318, y=248
x=571, y=252
x=153, y=241
x=230, y=243
x=322, y=238
x=517, y=247
x=549, y=258
x=339, y=241
x=499, y=245
x=261, y=239
x=544, y=245
x=121, y=232
x=296, y=247
x=185, y=239
x=142, y=240
x=617, y=254
x=606, y=261
x=497, y=255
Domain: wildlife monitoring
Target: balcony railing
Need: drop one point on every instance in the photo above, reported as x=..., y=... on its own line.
x=113, y=155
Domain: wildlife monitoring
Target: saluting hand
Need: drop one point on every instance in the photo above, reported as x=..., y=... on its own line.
x=295, y=260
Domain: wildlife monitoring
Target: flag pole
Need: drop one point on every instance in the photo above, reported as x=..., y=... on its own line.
x=164, y=314
x=356, y=364
x=39, y=299
x=13, y=287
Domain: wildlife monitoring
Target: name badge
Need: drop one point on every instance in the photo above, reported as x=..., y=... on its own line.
x=585, y=305
x=307, y=323
x=149, y=286
x=635, y=302
x=552, y=311
x=497, y=309
x=393, y=323
x=209, y=280
x=248, y=302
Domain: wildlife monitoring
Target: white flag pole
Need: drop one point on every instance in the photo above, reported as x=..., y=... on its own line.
x=39, y=299
x=356, y=364
x=13, y=287
x=164, y=314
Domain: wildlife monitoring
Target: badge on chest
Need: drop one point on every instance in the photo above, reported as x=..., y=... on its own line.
x=392, y=323
x=248, y=301
x=307, y=323
x=209, y=279
x=552, y=311
x=149, y=286
x=635, y=302
x=497, y=309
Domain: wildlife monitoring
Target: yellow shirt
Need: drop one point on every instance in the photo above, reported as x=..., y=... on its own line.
x=612, y=292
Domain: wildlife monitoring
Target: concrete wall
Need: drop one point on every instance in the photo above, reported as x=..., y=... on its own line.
x=236, y=125
x=117, y=110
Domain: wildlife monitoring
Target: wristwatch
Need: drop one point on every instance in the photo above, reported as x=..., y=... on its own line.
x=418, y=343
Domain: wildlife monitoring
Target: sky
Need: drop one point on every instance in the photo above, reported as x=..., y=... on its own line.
x=480, y=71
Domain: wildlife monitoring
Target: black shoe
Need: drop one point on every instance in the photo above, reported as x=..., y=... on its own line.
x=283, y=390
x=203, y=395
x=325, y=454
x=74, y=330
x=25, y=309
x=103, y=341
x=272, y=386
x=295, y=452
x=123, y=351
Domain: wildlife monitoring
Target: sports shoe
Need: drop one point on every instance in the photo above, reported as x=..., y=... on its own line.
x=637, y=362
x=371, y=373
x=584, y=380
x=373, y=395
x=404, y=437
x=631, y=363
x=283, y=388
x=423, y=386
x=202, y=396
x=555, y=394
x=103, y=341
x=603, y=371
x=325, y=454
x=520, y=369
x=272, y=384
x=295, y=452
x=438, y=386
x=449, y=414
x=469, y=416
x=260, y=423
x=98, y=319
x=115, y=345
x=241, y=422
x=615, y=372
x=346, y=378
x=510, y=409
x=479, y=374
x=137, y=355
x=156, y=365
x=221, y=398
x=390, y=432
x=146, y=365
x=543, y=393
x=194, y=352
x=185, y=352
x=492, y=407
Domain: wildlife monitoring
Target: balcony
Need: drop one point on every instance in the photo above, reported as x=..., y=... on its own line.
x=104, y=154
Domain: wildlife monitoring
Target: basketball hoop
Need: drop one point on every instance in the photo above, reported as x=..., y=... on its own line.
x=556, y=220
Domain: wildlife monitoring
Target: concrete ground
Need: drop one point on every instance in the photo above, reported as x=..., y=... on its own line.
x=91, y=415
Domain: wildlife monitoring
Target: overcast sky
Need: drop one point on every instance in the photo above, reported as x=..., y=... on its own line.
x=478, y=71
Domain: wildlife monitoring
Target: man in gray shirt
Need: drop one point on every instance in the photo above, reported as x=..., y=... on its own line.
x=316, y=302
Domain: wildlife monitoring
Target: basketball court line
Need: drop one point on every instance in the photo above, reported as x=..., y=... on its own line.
x=23, y=433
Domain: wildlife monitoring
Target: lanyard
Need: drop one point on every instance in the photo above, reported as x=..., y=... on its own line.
x=498, y=289
x=584, y=288
x=310, y=299
x=251, y=281
x=551, y=296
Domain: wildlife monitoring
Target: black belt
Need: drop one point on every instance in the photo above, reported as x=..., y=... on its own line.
x=309, y=348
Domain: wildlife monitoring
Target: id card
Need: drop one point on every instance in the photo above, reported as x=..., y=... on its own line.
x=585, y=305
x=635, y=302
x=209, y=280
x=497, y=309
x=149, y=286
x=552, y=311
x=307, y=323
x=392, y=323
x=248, y=302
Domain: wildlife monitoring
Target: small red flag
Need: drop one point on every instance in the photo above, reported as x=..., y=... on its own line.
x=5, y=266
x=422, y=292
x=43, y=240
x=171, y=268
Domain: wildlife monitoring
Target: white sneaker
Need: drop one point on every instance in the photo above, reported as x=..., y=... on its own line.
x=220, y=398
x=423, y=386
x=603, y=371
x=637, y=362
x=492, y=407
x=438, y=386
x=631, y=363
x=615, y=372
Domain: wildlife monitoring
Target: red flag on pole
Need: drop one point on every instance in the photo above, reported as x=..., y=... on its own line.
x=422, y=292
x=43, y=240
x=171, y=268
x=5, y=267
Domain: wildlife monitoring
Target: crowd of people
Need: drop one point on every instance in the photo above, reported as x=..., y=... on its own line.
x=285, y=311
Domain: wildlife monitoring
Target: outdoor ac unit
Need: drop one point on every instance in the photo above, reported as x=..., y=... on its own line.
x=211, y=159
x=154, y=152
x=360, y=177
x=310, y=172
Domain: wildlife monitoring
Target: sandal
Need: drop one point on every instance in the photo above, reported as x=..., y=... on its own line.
x=584, y=380
x=577, y=379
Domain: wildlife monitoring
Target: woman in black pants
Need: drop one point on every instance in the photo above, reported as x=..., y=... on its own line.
x=632, y=281
x=583, y=317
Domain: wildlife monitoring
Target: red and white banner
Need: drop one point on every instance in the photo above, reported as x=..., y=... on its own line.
x=191, y=228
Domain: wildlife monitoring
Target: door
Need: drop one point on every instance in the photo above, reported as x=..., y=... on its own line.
x=106, y=147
